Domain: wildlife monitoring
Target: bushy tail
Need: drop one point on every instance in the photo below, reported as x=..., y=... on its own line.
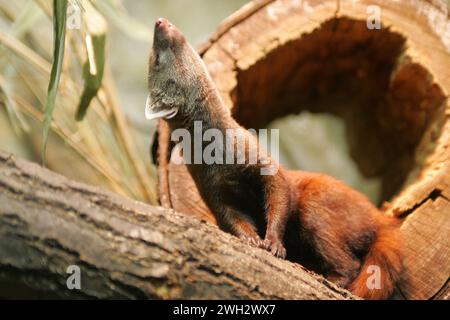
x=382, y=266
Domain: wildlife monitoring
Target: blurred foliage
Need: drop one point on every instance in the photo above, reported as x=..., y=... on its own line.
x=101, y=149
x=110, y=146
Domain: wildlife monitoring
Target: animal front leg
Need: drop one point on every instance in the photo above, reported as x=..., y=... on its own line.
x=277, y=213
x=239, y=225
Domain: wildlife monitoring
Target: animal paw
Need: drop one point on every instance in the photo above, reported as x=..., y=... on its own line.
x=253, y=241
x=276, y=248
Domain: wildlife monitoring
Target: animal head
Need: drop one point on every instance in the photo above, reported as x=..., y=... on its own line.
x=175, y=73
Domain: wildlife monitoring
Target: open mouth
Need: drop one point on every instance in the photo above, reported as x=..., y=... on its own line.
x=151, y=114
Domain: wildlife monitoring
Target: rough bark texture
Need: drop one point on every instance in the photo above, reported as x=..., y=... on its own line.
x=127, y=249
x=273, y=58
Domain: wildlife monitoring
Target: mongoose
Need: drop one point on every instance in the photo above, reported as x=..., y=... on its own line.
x=331, y=228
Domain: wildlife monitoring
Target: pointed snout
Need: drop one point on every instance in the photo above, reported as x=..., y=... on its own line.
x=165, y=34
x=162, y=23
x=161, y=36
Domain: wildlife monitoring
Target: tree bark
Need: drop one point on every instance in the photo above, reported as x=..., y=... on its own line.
x=127, y=249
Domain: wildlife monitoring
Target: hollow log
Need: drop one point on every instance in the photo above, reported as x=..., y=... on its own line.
x=390, y=85
x=127, y=249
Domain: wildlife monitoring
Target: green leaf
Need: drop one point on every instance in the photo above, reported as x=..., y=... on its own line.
x=94, y=66
x=92, y=81
x=59, y=33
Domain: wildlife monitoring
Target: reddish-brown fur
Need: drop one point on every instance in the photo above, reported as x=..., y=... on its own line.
x=330, y=228
x=346, y=234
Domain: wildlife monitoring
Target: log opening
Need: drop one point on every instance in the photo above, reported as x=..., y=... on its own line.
x=387, y=101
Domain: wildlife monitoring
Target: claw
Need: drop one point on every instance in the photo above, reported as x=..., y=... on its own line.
x=266, y=244
x=253, y=241
x=275, y=248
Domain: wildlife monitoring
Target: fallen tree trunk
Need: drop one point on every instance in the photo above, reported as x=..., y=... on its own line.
x=127, y=249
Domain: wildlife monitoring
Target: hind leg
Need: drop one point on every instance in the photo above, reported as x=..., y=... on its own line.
x=278, y=212
x=341, y=279
x=336, y=263
x=341, y=267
